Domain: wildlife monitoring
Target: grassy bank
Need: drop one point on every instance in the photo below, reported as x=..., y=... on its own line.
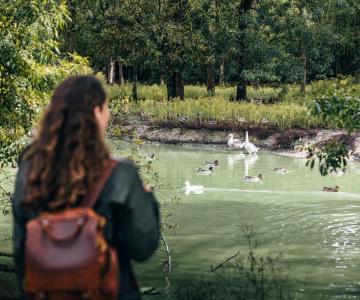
x=282, y=107
x=222, y=114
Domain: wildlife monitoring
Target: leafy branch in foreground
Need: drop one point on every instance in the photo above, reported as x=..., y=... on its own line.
x=343, y=112
x=332, y=157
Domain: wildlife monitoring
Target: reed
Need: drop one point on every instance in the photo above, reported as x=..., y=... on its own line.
x=216, y=112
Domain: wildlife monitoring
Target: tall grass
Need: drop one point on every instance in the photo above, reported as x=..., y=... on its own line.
x=283, y=107
x=158, y=92
x=217, y=112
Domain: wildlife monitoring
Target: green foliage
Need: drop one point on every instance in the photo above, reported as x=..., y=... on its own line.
x=341, y=110
x=7, y=180
x=331, y=158
x=30, y=66
x=219, y=113
x=277, y=41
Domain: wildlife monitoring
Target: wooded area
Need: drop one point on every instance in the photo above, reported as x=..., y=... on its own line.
x=242, y=43
x=210, y=42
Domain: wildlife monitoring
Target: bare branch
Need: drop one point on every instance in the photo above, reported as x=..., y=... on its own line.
x=223, y=263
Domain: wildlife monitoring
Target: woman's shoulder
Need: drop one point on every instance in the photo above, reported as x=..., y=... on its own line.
x=121, y=181
x=125, y=171
x=124, y=165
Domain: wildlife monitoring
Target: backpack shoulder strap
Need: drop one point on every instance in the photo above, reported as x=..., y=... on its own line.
x=94, y=192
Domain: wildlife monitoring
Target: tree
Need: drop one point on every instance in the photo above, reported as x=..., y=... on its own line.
x=30, y=66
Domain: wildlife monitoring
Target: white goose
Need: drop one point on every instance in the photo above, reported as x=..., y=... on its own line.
x=249, y=147
x=195, y=189
x=236, y=143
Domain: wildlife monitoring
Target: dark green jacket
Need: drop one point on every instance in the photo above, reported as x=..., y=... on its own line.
x=132, y=222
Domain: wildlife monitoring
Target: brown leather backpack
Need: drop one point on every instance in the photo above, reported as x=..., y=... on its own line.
x=66, y=254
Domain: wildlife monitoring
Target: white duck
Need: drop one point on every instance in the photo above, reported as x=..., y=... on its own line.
x=249, y=147
x=254, y=178
x=195, y=189
x=236, y=143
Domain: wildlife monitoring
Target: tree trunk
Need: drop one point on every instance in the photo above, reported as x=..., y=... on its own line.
x=111, y=72
x=210, y=83
x=241, y=90
x=121, y=73
x=304, y=79
x=222, y=73
x=71, y=29
x=244, y=8
x=134, y=93
x=175, y=86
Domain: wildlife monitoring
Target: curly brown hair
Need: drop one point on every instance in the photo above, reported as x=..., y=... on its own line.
x=69, y=153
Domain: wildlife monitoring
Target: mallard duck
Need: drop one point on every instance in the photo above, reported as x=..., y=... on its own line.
x=150, y=156
x=214, y=163
x=236, y=143
x=254, y=178
x=331, y=189
x=280, y=170
x=205, y=170
x=196, y=189
x=249, y=147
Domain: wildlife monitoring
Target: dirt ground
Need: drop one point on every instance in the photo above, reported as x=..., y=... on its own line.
x=285, y=142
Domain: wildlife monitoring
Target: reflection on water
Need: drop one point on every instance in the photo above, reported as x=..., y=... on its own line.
x=318, y=232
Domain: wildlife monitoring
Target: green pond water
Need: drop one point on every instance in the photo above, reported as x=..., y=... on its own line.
x=317, y=232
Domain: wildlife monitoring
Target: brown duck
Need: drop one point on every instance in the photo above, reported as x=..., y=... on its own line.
x=331, y=189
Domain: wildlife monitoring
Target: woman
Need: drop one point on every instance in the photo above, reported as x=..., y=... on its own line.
x=65, y=159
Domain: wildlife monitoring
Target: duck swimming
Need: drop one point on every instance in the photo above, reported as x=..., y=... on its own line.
x=214, y=163
x=254, y=178
x=150, y=156
x=280, y=170
x=205, y=171
x=249, y=147
x=331, y=189
x=196, y=189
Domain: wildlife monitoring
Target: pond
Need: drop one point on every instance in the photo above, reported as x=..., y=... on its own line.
x=317, y=232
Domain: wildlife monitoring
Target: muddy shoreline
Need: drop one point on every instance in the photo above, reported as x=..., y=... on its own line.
x=282, y=142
